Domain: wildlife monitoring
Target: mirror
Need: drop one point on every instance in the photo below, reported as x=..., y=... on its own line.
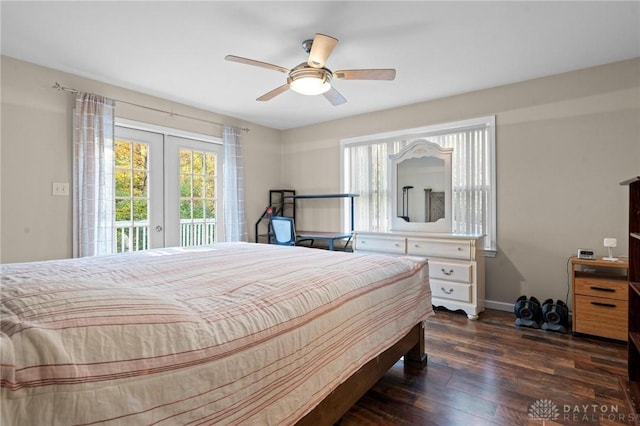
x=421, y=188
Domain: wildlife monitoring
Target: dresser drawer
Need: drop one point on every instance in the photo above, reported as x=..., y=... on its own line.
x=449, y=271
x=601, y=317
x=394, y=245
x=451, y=291
x=601, y=287
x=439, y=248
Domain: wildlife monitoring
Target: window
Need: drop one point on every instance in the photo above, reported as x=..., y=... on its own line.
x=366, y=159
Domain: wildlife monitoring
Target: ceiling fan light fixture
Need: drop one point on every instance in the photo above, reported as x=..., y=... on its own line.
x=309, y=81
x=312, y=77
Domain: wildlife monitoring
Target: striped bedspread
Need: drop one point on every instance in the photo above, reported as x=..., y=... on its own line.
x=234, y=333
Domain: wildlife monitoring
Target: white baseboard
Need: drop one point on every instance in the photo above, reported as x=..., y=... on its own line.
x=507, y=307
x=499, y=306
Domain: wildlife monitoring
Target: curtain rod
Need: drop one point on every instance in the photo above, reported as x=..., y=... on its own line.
x=60, y=88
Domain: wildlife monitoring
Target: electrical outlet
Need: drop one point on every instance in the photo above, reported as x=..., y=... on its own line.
x=60, y=189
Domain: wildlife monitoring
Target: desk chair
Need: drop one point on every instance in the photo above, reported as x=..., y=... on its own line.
x=284, y=230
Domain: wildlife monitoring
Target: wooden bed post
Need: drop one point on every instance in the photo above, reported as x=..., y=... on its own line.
x=416, y=357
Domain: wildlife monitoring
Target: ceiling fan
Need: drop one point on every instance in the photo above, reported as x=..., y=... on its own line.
x=312, y=77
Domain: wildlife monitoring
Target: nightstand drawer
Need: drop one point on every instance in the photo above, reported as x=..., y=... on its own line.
x=380, y=244
x=601, y=287
x=601, y=317
x=439, y=248
x=451, y=291
x=449, y=271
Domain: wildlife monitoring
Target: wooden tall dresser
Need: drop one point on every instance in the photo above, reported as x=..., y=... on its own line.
x=633, y=343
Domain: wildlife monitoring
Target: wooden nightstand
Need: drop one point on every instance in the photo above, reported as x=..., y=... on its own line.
x=600, y=297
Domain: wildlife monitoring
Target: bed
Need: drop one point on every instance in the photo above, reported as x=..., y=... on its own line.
x=233, y=333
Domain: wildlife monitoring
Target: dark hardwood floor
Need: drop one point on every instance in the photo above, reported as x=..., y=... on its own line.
x=490, y=372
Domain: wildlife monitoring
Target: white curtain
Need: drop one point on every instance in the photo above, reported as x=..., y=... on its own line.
x=93, y=193
x=235, y=225
x=368, y=177
x=470, y=178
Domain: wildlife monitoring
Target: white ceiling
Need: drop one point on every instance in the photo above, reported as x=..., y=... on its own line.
x=176, y=50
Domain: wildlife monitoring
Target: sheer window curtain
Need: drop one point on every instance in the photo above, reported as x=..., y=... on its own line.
x=235, y=225
x=471, y=183
x=368, y=177
x=93, y=192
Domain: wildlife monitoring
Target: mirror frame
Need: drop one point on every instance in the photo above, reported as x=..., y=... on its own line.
x=419, y=149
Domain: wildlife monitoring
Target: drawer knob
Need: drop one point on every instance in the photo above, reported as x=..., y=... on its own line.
x=397, y=245
x=459, y=248
x=444, y=271
x=416, y=245
x=446, y=291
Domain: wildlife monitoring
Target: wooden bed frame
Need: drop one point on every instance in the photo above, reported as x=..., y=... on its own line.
x=338, y=402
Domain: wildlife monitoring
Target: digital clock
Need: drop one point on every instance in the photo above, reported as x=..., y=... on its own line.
x=586, y=254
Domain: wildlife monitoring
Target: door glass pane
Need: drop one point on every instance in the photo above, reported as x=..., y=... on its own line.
x=185, y=161
x=122, y=154
x=197, y=197
x=139, y=183
x=132, y=196
x=185, y=209
x=197, y=187
x=198, y=167
x=185, y=185
x=210, y=209
x=123, y=182
x=210, y=188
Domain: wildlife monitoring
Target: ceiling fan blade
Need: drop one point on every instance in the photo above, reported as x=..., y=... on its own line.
x=334, y=97
x=275, y=92
x=374, y=74
x=255, y=63
x=321, y=48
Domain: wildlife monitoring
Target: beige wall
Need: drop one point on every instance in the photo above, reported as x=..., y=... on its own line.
x=563, y=145
x=36, y=151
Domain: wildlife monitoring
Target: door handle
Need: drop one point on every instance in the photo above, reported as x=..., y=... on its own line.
x=158, y=228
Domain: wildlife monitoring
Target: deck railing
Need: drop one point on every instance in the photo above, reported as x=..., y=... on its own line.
x=135, y=237
x=196, y=233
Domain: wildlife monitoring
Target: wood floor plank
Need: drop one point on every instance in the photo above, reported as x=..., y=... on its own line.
x=490, y=372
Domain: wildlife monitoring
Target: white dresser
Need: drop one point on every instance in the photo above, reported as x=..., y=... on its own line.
x=456, y=264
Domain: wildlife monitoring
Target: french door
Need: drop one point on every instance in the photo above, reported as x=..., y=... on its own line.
x=192, y=182
x=166, y=190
